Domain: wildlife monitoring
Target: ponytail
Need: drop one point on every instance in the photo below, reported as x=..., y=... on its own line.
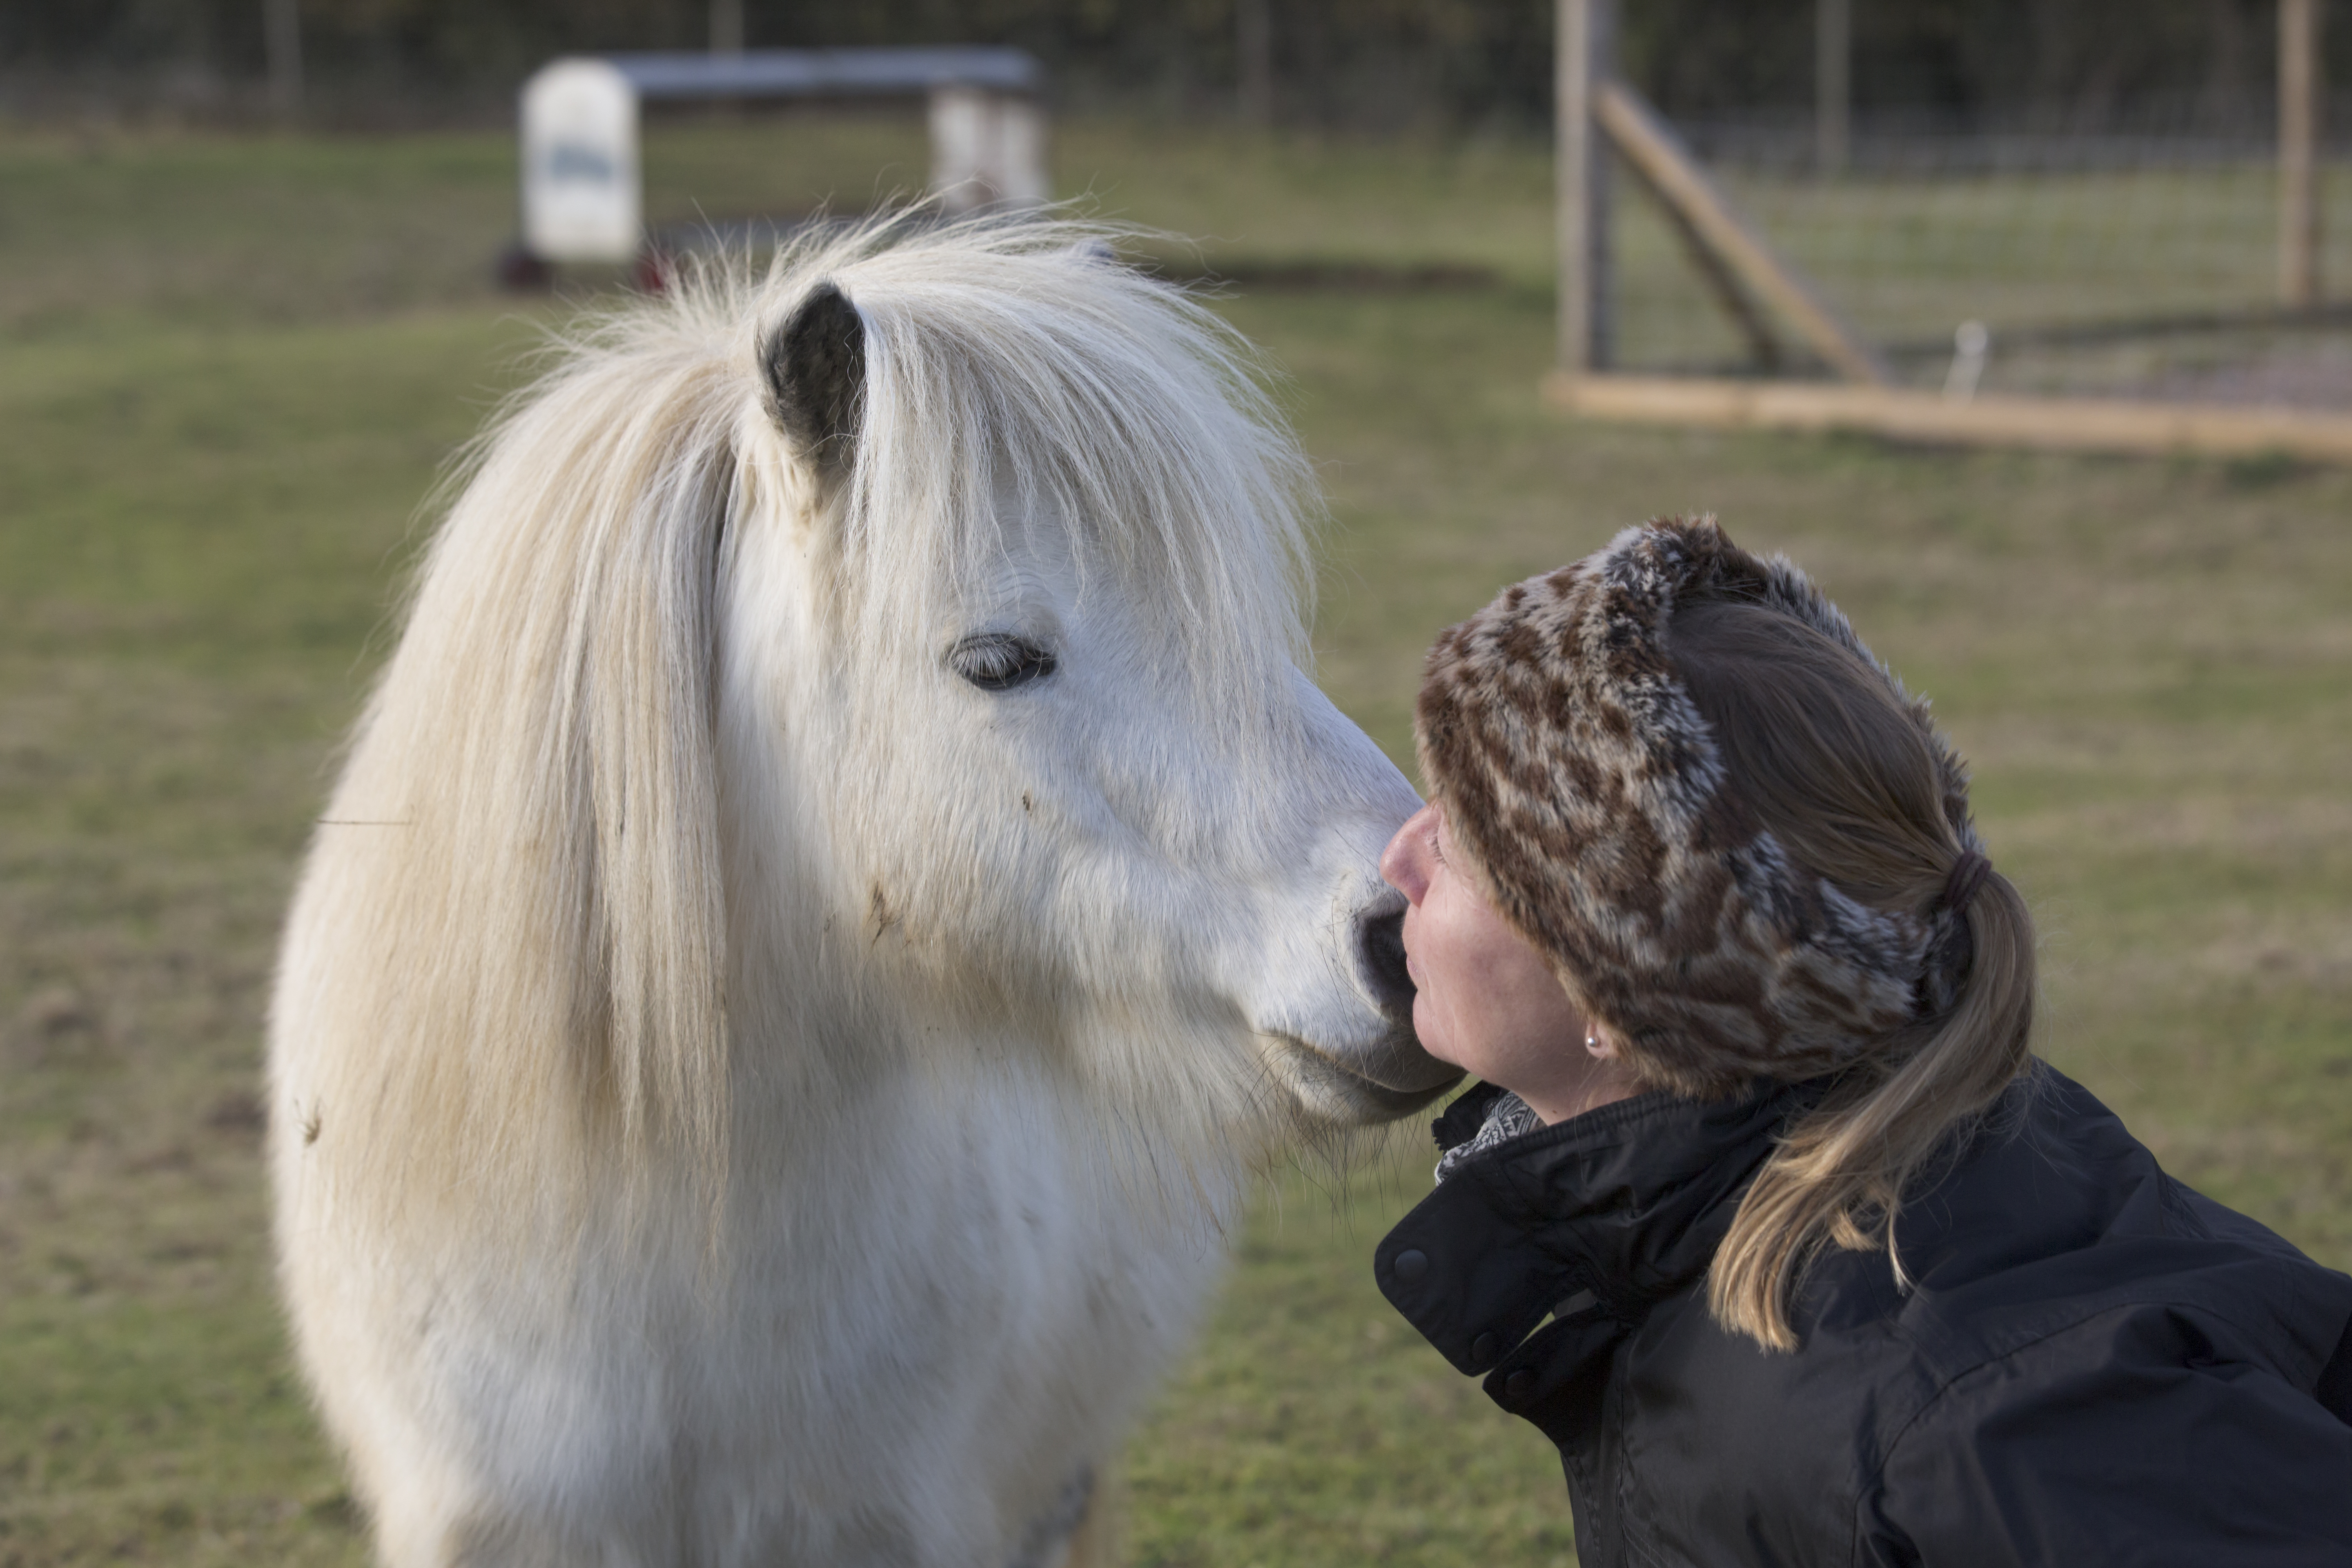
x=1841, y=1172
x=1854, y=784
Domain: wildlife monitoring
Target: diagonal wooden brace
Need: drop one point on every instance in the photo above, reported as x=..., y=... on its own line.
x=1658, y=156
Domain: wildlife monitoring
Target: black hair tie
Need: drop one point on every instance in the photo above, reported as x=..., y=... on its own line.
x=1968, y=875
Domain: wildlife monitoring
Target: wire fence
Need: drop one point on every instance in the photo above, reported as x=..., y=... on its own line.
x=2139, y=266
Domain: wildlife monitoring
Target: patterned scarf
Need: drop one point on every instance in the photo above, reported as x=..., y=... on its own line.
x=1508, y=1118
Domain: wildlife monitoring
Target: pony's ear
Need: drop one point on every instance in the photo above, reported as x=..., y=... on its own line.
x=815, y=366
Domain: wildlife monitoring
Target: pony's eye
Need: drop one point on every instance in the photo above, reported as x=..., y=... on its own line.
x=999, y=661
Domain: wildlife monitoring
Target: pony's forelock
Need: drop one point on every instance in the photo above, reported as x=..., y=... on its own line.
x=1016, y=356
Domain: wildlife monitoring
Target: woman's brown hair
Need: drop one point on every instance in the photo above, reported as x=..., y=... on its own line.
x=1818, y=744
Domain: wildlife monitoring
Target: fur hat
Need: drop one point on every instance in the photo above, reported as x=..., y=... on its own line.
x=1584, y=784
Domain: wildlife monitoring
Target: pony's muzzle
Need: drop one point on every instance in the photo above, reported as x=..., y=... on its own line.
x=1397, y=1063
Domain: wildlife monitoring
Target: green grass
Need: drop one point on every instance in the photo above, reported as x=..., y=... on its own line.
x=228, y=371
x=1906, y=259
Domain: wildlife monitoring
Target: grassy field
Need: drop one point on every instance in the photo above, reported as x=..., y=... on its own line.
x=228, y=370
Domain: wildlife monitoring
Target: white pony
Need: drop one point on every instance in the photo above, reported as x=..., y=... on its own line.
x=843, y=877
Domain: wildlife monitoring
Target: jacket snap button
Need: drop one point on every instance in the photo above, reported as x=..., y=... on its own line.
x=1409, y=1265
x=1518, y=1386
x=1482, y=1349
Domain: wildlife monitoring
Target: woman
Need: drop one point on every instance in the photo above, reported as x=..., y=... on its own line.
x=1834, y=1271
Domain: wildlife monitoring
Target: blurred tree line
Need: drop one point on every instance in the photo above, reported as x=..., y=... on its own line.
x=1383, y=64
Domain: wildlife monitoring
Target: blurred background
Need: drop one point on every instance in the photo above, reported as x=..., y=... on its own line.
x=2107, y=65
x=249, y=305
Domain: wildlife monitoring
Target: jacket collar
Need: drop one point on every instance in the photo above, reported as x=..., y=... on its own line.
x=1628, y=1202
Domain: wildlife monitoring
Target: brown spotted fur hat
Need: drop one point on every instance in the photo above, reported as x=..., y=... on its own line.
x=1581, y=779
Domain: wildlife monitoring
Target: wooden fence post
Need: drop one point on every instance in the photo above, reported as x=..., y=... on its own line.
x=1832, y=84
x=1583, y=59
x=1254, y=55
x=1669, y=170
x=281, y=39
x=726, y=26
x=2298, y=154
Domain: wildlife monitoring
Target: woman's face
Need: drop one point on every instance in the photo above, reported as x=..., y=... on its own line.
x=1484, y=999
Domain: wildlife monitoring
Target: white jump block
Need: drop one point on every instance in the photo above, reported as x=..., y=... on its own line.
x=987, y=148
x=582, y=186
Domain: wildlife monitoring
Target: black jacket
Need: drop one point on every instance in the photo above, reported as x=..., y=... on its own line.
x=2094, y=1365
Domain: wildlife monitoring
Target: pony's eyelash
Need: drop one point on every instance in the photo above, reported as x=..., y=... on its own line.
x=999, y=661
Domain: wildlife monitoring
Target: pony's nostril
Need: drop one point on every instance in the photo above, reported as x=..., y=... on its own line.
x=1380, y=938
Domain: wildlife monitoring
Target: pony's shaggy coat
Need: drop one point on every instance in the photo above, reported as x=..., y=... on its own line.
x=743, y=1093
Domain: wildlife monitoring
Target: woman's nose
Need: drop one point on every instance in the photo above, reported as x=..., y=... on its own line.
x=1404, y=864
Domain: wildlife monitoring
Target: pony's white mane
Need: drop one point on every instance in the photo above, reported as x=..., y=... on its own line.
x=530, y=828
